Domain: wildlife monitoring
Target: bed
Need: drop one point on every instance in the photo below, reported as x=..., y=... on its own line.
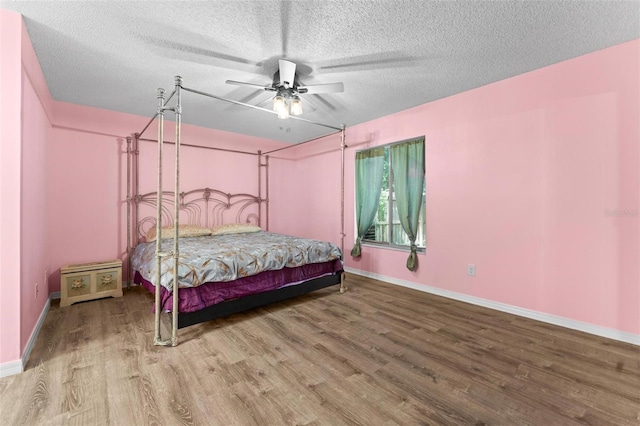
x=284, y=266
x=240, y=267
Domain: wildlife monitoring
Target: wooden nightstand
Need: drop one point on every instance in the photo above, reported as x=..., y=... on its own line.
x=89, y=281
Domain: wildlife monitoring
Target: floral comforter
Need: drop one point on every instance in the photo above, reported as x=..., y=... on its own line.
x=229, y=257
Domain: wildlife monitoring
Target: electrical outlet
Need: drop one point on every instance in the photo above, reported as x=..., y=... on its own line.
x=471, y=270
x=37, y=290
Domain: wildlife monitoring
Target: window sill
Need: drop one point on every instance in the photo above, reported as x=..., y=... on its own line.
x=395, y=247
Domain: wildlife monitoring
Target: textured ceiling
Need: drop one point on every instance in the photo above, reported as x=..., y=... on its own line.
x=390, y=55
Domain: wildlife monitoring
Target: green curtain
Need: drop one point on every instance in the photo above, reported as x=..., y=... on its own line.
x=407, y=162
x=369, y=168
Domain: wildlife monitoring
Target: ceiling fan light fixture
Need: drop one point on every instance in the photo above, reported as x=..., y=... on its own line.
x=287, y=102
x=279, y=104
x=296, y=106
x=283, y=113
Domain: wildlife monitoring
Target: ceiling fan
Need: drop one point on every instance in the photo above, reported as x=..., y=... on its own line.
x=288, y=89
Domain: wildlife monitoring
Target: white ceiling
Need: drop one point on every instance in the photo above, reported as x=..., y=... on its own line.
x=391, y=55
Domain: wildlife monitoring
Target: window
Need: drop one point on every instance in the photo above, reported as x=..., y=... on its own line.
x=405, y=185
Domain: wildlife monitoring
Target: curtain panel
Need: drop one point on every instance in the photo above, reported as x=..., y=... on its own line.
x=408, y=165
x=369, y=170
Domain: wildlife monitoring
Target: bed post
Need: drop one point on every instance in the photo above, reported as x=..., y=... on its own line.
x=266, y=200
x=134, y=191
x=135, y=184
x=176, y=193
x=259, y=188
x=128, y=211
x=343, y=287
x=157, y=337
x=264, y=165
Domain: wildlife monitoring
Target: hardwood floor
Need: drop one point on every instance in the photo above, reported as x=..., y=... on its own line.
x=376, y=355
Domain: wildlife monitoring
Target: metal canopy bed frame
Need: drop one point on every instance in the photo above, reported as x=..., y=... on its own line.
x=187, y=203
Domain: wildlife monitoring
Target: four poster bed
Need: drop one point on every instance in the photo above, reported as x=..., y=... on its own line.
x=216, y=245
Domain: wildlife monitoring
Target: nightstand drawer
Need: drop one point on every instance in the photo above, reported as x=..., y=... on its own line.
x=89, y=281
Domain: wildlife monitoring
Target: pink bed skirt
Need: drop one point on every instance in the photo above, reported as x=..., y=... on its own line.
x=195, y=298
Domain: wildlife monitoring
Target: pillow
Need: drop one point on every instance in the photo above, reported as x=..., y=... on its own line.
x=234, y=228
x=183, y=231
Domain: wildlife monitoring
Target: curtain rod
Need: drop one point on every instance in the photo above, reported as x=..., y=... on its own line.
x=390, y=143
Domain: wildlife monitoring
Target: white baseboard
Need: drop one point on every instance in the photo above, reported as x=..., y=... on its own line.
x=55, y=295
x=10, y=368
x=597, y=330
x=34, y=334
x=17, y=367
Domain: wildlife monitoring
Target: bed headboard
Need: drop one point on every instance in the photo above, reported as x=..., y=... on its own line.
x=204, y=207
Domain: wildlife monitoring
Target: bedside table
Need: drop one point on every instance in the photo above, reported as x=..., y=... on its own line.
x=89, y=281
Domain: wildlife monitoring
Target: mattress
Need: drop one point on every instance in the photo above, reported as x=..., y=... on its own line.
x=212, y=269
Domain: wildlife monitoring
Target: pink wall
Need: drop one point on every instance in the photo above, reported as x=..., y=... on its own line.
x=521, y=177
x=35, y=218
x=10, y=170
x=87, y=177
x=23, y=208
x=36, y=104
x=314, y=193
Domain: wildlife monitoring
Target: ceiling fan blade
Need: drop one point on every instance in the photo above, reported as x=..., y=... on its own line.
x=258, y=95
x=287, y=72
x=252, y=96
x=328, y=105
x=321, y=88
x=370, y=62
x=201, y=55
x=242, y=83
x=265, y=103
x=308, y=106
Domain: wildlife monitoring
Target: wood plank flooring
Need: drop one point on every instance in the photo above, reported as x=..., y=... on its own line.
x=376, y=355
